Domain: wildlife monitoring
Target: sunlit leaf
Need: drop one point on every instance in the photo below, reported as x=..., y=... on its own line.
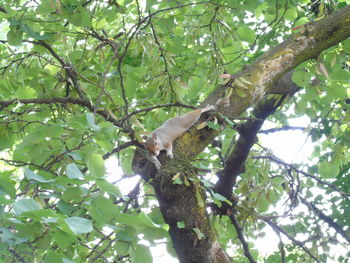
x=79, y=225
x=25, y=205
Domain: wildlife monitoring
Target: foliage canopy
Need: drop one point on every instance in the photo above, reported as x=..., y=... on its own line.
x=84, y=80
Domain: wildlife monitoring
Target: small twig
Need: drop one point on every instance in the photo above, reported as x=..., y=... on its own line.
x=275, y=227
x=292, y=167
x=17, y=256
x=166, y=67
x=95, y=250
x=326, y=219
x=244, y=243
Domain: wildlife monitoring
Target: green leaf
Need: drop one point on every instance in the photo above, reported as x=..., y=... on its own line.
x=103, y=210
x=7, y=137
x=90, y=117
x=122, y=248
x=301, y=77
x=301, y=21
x=25, y=92
x=7, y=185
x=63, y=239
x=291, y=13
x=346, y=45
x=78, y=16
x=33, y=176
x=126, y=160
x=141, y=254
x=79, y=225
x=96, y=165
x=199, y=233
x=214, y=125
x=221, y=198
x=246, y=33
x=199, y=198
x=180, y=224
x=150, y=3
x=52, y=257
x=37, y=214
x=336, y=92
x=106, y=186
x=73, y=171
x=328, y=170
x=14, y=37
x=72, y=194
x=25, y=205
x=340, y=74
x=262, y=204
x=48, y=6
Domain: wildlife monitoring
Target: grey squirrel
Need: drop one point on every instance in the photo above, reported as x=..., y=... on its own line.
x=163, y=137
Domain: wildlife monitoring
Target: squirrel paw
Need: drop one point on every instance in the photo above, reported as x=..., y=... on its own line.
x=170, y=155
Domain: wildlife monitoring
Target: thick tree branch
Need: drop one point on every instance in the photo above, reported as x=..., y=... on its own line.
x=248, y=131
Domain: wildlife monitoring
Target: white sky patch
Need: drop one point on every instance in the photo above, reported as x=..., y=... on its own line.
x=290, y=146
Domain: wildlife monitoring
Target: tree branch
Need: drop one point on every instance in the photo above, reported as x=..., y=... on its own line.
x=326, y=218
x=239, y=231
x=248, y=131
x=292, y=167
x=275, y=227
x=68, y=67
x=284, y=128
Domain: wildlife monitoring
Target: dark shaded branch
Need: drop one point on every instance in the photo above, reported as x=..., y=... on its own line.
x=284, y=128
x=326, y=219
x=239, y=231
x=276, y=228
x=235, y=163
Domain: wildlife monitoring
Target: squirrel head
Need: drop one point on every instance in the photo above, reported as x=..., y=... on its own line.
x=153, y=145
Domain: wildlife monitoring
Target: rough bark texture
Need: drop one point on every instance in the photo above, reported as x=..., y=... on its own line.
x=184, y=202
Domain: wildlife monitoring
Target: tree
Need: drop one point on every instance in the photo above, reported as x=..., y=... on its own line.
x=84, y=80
